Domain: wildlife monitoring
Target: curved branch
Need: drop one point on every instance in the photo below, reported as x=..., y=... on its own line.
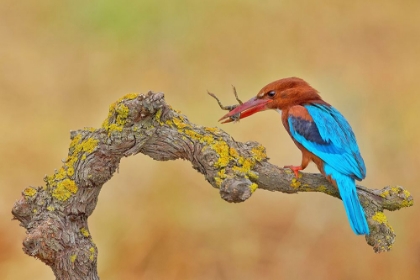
x=55, y=215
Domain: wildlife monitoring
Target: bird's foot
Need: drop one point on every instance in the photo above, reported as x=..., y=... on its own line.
x=295, y=169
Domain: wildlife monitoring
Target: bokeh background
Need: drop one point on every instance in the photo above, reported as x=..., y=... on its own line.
x=63, y=62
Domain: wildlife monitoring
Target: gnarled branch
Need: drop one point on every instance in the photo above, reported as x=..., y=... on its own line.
x=55, y=215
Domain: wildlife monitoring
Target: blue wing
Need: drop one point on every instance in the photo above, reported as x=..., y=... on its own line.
x=329, y=136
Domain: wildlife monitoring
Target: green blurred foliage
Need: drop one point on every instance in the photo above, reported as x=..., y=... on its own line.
x=63, y=63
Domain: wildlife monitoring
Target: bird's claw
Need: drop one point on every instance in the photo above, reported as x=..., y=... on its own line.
x=295, y=169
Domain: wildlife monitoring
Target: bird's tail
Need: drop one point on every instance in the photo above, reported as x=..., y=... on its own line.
x=354, y=210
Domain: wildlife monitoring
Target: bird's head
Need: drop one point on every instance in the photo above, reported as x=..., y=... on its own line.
x=280, y=94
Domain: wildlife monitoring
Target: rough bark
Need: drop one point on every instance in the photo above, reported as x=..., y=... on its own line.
x=55, y=215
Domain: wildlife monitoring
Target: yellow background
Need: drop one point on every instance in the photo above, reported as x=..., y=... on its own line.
x=63, y=62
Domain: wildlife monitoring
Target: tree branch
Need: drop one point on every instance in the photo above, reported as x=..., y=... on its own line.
x=55, y=215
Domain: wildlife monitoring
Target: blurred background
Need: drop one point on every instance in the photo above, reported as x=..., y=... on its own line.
x=63, y=62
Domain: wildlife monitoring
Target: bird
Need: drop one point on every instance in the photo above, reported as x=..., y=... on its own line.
x=321, y=133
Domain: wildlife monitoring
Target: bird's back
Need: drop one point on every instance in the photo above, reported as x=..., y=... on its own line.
x=328, y=135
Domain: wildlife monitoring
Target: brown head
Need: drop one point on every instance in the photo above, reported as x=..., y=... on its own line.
x=280, y=94
x=288, y=92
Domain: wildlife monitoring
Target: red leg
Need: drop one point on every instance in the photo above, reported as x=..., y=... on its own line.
x=296, y=169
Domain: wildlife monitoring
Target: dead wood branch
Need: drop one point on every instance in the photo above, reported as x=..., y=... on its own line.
x=55, y=215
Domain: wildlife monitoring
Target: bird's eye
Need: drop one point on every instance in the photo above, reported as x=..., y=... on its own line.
x=271, y=93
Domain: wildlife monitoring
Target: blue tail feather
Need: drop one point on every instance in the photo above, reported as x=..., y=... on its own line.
x=354, y=210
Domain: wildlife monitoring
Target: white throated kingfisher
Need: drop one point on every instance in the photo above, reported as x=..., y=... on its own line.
x=322, y=134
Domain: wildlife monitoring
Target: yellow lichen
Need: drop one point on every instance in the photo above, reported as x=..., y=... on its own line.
x=247, y=163
x=113, y=127
x=253, y=187
x=60, y=183
x=212, y=129
x=233, y=152
x=393, y=190
x=92, y=253
x=259, y=153
x=207, y=139
x=121, y=112
x=192, y=134
x=64, y=189
x=169, y=122
x=322, y=188
x=75, y=140
x=222, y=150
x=295, y=183
x=380, y=218
x=158, y=115
x=252, y=175
x=385, y=193
x=29, y=191
x=61, y=174
x=222, y=173
x=90, y=129
x=129, y=96
x=242, y=166
x=50, y=208
x=89, y=145
x=305, y=188
x=76, y=147
x=73, y=258
x=218, y=181
x=222, y=162
x=111, y=111
x=405, y=202
x=245, y=168
x=84, y=232
x=179, y=123
x=70, y=171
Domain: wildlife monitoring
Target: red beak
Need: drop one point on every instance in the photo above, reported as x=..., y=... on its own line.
x=246, y=109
